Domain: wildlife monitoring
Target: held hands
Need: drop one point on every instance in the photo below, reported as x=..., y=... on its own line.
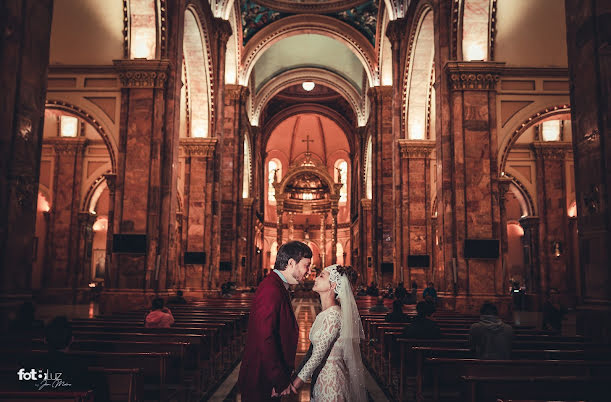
x=287, y=391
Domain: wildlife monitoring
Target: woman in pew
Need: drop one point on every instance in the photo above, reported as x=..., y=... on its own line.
x=335, y=364
x=159, y=317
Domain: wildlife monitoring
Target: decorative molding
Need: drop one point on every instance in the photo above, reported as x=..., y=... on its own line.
x=492, y=34
x=313, y=7
x=551, y=150
x=111, y=180
x=478, y=76
x=535, y=72
x=67, y=145
x=415, y=149
x=454, y=31
x=366, y=203
x=163, y=30
x=56, y=69
x=199, y=146
x=142, y=73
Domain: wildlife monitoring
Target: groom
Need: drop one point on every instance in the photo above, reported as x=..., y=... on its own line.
x=269, y=354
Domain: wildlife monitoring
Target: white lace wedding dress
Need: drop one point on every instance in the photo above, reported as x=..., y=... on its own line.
x=332, y=381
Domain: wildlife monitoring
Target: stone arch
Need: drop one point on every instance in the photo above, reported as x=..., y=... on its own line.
x=313, y=24
x=522, y=194
x=322, y=173
x=269, y=127
x=417, y=76
x=95, y=123
x=474, y=29
x=93, y=192
x=316, y=75
x=196, y=49
x=526, y=124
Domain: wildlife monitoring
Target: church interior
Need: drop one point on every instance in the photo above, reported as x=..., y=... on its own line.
x=155, y=146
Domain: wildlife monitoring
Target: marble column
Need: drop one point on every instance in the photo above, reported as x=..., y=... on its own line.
x=334, y=212
x=24, y=58
x=82, y=275
x=197, y=201
x=67, y=177
x=291, y=226
x=279, y=223
x=383, y=148
x=589, y=63
x=368, y=272
x=469, y=197
x=231, y=146
x=323, y=240
x=110, y=275
x=415, y=188
x=146, y=149
x=530, y=242
x=247, y=243
x=504, y=183
x=553, y=223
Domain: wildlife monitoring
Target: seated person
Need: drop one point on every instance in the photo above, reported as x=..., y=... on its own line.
x=178, y=299
x=491, y=338
x=60, y=370
x=553, y=312
x=159, y=317
x=389, y=293
x=372, y=289
x=25, y=320
x=430, y=294
x=397, y=314
x=379, y=307
x=400, y=292
x=422, y=327
x=361, y=291
x=412, y=298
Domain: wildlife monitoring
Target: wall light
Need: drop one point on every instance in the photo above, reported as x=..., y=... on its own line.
x=308, y=85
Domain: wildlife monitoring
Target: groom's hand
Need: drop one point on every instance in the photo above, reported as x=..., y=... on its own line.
x=287, y=391
x=274, y=393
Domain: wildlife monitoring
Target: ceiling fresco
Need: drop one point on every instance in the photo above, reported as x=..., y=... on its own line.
x=361, y=15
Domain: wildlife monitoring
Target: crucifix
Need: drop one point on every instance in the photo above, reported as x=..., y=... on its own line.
x=307, y=141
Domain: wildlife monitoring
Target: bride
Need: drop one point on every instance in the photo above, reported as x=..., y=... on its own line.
x=335, y=364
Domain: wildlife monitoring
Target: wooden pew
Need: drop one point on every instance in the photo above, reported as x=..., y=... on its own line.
x=544, y=388
x=448, y=372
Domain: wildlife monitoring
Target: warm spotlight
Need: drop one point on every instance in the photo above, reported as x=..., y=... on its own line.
x=308, y=85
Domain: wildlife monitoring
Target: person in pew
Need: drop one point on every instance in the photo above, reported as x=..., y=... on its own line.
x=379, y=307
x=491, y=338
x=178, y=299
x=412, y=297
x=25, y=321
x=422, y=327
x=58, y=370
x=372, y=289
x=335, y=364
x=271, y=344
x=553, y=311
x=401, y=292
x=397, y=315
x=430, y=294
x=159, y=317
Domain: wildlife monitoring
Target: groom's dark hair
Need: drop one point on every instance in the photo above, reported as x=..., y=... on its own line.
x=293, y=249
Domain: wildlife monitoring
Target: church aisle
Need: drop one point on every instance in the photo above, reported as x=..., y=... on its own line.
x=305, y=310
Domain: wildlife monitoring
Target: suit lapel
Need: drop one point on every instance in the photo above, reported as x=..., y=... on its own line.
x=287, y=297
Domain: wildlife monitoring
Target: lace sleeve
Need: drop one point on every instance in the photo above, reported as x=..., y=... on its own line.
x=327, y=335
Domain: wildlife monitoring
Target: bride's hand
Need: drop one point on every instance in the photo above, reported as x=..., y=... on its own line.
x=296, y=384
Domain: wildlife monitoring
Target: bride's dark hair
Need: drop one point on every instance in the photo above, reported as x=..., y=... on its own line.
x=348, y=271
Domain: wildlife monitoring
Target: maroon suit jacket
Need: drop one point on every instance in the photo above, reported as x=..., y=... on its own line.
x=269, y=355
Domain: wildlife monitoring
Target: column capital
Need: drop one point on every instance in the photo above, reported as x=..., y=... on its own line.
x=412, y=149
x=223, y=29
x=236, y=92
x=529, y=222
x=504, y=183
x=474, y=75
x=86, y=218
x=395, y=31
x=379, y=92
x=111, y=179
x=204, y=147
x=551, y=150
x=366, y=203
x=142, y=73
x=248, y=202
x=67, y=145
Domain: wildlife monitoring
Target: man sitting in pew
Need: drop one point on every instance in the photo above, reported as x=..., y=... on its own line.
x=422, y=327
x=491, y=338
x=397, y=315
x=159, y=317
x=57, y=370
